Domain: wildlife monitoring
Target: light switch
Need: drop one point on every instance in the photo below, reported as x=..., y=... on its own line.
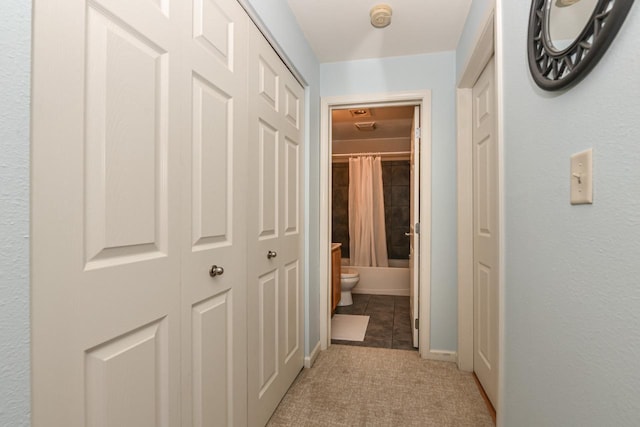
x=582, y=177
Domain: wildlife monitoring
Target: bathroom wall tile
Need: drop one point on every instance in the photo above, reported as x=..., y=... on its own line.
x=340, y=197
x=340, y=174
x=397, y=252
x=388, y=195
x=388, y=216
x=399, y=216
x=400, y=174
x=401, y=195
x=387, y=173
x=398, y=237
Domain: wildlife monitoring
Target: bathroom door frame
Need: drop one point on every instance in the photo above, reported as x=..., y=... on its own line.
x=391, y=99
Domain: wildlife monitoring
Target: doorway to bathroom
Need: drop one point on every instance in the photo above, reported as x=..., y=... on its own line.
x=385, y=141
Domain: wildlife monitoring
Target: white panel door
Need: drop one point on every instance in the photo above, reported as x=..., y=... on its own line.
x=414, y=217
x=275, y=312
x=105, y=214
x=485, y=233
x=214, y=147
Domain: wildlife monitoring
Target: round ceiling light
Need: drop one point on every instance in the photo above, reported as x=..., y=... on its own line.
x=380, y=15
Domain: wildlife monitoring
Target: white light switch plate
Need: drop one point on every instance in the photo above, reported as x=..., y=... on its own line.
x=582, y=177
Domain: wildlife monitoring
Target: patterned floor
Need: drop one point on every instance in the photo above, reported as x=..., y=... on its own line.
x=389, y=323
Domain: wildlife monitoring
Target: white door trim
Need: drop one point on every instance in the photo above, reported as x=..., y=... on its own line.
x=423, y=99
x=486, y=45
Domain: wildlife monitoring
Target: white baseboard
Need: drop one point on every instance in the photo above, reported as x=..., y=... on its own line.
x=442, y=355
x=311, y=359
x=375, y=291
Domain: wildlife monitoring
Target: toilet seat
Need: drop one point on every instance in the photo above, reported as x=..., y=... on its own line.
x=348, y=273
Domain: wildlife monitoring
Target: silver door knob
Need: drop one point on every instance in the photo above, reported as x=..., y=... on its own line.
x=216, y=271
x=408, y=234
x=271, y=254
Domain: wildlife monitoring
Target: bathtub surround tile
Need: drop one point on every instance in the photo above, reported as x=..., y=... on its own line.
x=400, y=196
x=401, y=174
x=387, y=173
x=340, y=175
x=400, y=216
x=398, y=236
x=389, y=322
x=388, y=195
x=359, y=386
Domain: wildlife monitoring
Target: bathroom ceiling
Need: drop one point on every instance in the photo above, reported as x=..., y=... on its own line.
x=390, y=122
x=340, y=30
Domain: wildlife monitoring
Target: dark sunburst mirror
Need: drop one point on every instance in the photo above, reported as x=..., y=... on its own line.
x=568, y=37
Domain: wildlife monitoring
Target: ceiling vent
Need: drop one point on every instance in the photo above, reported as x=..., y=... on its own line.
x=380, y=15
x=366, y=126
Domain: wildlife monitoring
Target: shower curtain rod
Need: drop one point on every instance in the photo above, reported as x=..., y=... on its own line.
x=382, y=153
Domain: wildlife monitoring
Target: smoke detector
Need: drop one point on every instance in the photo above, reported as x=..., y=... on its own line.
x=380, y=15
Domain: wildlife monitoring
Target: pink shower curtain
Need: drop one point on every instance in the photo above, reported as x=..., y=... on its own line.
x=367, y=236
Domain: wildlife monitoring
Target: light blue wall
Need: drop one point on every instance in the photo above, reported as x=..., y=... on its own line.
x=15, y=63
x=478, y=13
x=279, y=19
x=572, y=284
x=435, y=72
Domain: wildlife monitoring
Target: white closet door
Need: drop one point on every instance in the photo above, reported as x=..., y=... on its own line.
x=105, y=214
x=485, y=233
x=214, y=147
x=275, y=311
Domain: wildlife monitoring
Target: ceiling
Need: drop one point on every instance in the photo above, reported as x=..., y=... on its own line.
x=340, y=30
x=390, y=122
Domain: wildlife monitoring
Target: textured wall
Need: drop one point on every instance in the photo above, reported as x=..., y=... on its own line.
x=478, y=13
x=572, y=272
x=421, y=72
x=15, y=45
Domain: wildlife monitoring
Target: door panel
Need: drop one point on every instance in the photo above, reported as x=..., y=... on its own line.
x=268, y=193
x=105, y=215
x=212, y=360
x=485, y=202
x=274, y=206
x=134, y=359
x=214, y=143
x=292, y=309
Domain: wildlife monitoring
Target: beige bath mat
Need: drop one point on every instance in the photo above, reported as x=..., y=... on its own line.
x=349, y=327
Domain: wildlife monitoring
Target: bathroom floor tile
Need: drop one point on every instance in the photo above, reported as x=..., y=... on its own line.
x=389, y=321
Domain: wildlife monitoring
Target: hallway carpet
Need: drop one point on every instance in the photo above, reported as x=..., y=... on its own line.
x=360, y=386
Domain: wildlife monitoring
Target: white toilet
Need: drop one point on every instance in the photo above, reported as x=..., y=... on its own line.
x=348, y=279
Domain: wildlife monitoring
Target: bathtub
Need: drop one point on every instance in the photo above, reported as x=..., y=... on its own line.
x=392, y=280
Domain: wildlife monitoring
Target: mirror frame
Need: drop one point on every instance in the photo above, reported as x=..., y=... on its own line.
x=556, y=69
